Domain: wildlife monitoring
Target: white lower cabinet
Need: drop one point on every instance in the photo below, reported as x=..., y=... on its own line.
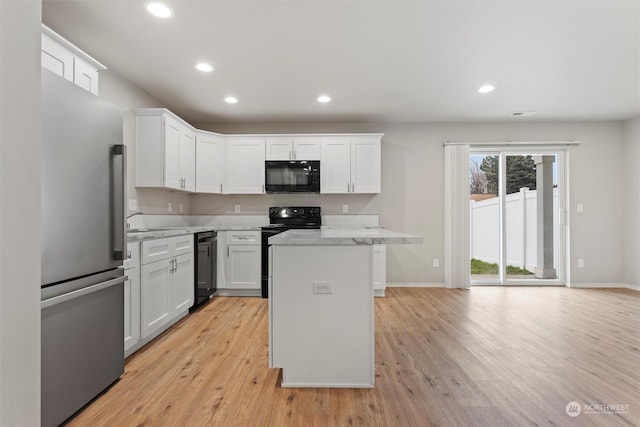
x=166, y=284
x=243, y=267
x=379, y=270
x=155, y=287
x=132, y=298
x=183, y=284
x=239, y=263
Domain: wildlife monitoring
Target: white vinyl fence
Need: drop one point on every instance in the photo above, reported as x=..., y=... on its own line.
x=521, y=229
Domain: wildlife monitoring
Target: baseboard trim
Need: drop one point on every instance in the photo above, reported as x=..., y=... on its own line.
x=415, y=285
x=605, y=286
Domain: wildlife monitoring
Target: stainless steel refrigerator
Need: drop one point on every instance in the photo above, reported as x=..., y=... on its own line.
x=83, y=244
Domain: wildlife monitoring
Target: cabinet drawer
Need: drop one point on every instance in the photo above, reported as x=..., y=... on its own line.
x=182, y=245
x=133, y=255
x=156, y=250
x=243, y=237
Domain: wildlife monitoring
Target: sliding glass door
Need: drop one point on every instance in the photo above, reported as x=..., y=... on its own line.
x=516, y=197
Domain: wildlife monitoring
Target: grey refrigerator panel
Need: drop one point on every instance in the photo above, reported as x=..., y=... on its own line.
x=80, y=216
x=82, y=347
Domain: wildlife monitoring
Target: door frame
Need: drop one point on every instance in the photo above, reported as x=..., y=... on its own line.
x=562, y=158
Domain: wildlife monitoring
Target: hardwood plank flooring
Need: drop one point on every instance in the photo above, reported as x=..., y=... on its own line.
x=489, y=356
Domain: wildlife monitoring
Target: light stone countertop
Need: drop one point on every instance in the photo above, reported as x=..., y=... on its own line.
x=160, y=232
x=344, y=236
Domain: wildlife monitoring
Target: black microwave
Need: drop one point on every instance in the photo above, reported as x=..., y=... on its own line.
x=298, y=176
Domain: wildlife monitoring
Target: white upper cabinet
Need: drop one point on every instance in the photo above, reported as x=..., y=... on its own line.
x=245, y=165
x=165, y=150
x=293, y=147
x=209, y=162
x=335, y=165
x=365, y=164
x=307, y=148
x=66, y=60
x=350, y=164
x=279, y=148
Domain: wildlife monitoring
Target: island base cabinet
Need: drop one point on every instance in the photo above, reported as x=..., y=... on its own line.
x=321, y=315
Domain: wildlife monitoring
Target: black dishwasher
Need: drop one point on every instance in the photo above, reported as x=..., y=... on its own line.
x=205, y=266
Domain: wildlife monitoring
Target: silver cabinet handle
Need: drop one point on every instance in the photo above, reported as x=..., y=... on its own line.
x=128, y=254
x=295, y=155
x=290, y=155
x=175, y=260
x=348, y=188
x=263, y=188
x=119, y=201
x=353, y=187
x=221, y=187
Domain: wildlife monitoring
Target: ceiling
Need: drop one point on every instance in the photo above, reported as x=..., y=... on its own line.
x=379, y=61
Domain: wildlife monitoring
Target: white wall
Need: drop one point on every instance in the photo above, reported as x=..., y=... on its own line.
x=20, y=213
x=413, y=183
x=631, y=131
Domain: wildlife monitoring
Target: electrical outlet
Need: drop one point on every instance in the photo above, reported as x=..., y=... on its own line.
x=345, y=208
x=580, y=208
x=436, y=263
x=236, y=208
x=322, y=287
x=580, y=263
x=133, y=205
x=170, y=207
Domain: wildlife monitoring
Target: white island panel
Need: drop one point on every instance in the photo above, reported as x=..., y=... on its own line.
x=322, y=339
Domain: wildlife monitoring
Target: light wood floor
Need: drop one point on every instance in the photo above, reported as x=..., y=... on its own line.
x=488, y=356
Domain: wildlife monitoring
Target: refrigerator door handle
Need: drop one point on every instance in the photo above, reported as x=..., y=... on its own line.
x=119, y=201
x=80, y=292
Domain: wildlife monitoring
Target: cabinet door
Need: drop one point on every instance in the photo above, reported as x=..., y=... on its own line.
x=221, y=260
x=188, y=158
x=380, y=267
x=335, y=174
x=209, y=163
x=172, y=177
x=365, y=165
x=56, y=58
x=85, y=75
x=307, y=148
x=183, y=287
x=245, y=165
x=155, y=296
x=279, y=148
x=243, y=267
x=131, y=308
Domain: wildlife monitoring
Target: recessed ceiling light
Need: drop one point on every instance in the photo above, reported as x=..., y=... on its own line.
x=204, y=67
x=158, y=9
x=486, y=89
x=231, y=100
x=324, y=99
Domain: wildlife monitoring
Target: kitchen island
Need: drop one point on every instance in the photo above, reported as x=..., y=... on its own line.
x=321, y=330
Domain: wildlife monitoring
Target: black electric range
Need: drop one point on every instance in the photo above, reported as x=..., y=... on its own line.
x=283, y=218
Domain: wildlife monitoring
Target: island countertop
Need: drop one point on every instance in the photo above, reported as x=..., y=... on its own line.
x=343, y=236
